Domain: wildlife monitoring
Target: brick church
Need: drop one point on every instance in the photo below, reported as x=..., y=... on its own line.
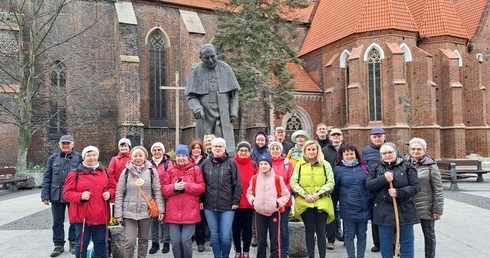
x=417, y=68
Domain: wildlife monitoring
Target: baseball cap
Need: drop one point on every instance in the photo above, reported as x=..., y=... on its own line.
x=66, y=138
x=335, y=131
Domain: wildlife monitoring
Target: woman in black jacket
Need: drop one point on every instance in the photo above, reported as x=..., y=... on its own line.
x=405, y=185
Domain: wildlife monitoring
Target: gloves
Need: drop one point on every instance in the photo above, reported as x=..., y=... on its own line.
x=199, y=113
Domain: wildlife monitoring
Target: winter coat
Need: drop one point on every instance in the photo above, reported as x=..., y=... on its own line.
x=266, y=200
x=323, y=142
x=223, y=183
x=354, y=198
x=182, y=207
x=295, y=154
x=330, y=153
x=129, y=203
x=257, y=151
x=246, y=169
x=117, y=165
x=95, y=211
x=313, y=178
x=370, y=154
x=284, y=168
x=430, y=199
x=57, y=168
x=405, y=182
x=162, y=167
x=286, y=146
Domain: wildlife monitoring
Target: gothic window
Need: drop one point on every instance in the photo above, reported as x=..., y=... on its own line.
x=374, y=82
x=293, y=123
x=157, y=52
x=57, y=121
x=346, y=74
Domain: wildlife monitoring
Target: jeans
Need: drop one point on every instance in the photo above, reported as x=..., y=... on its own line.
x=58, y=212
x=181, y=239
x=242, y=229
x=285, y=231
x=406, y=241
x=98, y=235
x=315, y=223
x=353, y=229
x=220, y=223
x=158, y=228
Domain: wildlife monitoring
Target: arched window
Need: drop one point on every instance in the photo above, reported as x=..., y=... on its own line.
x=57, y=96
x=460, y=60
x=344, y=63
x=407, y=57
x=157, y=58
x=374, y=84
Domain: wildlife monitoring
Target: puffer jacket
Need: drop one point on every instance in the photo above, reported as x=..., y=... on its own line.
x=370, y=154
x=258, y=151
x=430, y=199
x=129, y=203
x=354, y=198
x=117, y=165
x=183, y=207
x=405, y=182
x=283, y=167
x=266, y=200
x=246, y=169
x=96, y=210
x=162, y=167
x=223, y=184
x=57, y=168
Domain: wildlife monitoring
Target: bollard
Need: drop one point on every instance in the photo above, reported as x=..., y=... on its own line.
x=454, y=178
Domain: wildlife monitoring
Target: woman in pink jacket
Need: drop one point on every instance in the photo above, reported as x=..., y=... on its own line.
x=267, y=193
x=182, y=186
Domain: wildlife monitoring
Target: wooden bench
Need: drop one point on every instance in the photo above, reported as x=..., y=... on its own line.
x=463, y=168
x=7, y=176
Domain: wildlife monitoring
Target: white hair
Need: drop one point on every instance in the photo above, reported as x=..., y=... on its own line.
x=219, y=140
x=418, y=140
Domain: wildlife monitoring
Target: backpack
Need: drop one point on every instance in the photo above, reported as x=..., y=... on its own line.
x=278, y=188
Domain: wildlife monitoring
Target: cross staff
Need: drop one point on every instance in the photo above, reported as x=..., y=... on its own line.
x=177, y=95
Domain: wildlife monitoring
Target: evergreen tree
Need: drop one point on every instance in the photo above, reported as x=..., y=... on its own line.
x=254, y=37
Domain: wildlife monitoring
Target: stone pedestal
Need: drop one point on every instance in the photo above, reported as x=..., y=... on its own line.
x=297, y=244
x=117, y=241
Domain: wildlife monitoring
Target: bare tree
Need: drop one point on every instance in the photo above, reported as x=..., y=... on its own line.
x=31, y=22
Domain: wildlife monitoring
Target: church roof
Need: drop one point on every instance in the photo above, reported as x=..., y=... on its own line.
x=336, y=19
x=303, y=81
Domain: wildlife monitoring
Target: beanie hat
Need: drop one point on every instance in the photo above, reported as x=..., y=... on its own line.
x=181, y=149
x=276, y=143
x=140, y=148
x=89, y=149
x=266, y=158
x=244, y=144
x=158, y=144
x=124, y=141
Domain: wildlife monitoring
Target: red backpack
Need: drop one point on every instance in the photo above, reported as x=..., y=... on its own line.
x=278, y=188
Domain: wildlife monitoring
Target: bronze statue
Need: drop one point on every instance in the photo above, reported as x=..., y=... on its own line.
x=212, y=95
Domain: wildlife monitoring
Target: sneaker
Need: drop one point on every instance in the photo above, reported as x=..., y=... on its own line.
x=154, y=248
x=166, y=248
x=238, y=255
x=254, y=242
x=71, y=247
x=375, y=249
x=57, y=251
x=201, y=248
x=245, y=255
x=330, y=246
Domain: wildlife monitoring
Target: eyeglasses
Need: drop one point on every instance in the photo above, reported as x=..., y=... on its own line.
x=387, y=153
x=243, y=151
x=416, y=149
x=217, y=146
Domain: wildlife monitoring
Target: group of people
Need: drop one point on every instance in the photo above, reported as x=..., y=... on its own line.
x=246, y=197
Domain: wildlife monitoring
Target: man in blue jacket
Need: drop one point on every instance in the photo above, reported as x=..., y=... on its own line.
x=57, y=168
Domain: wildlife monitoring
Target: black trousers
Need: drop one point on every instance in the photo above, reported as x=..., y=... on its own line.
x=271, y=224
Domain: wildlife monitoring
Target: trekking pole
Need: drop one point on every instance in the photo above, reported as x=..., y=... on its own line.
x=397, y=223
x=83, y=228
x=106, y=225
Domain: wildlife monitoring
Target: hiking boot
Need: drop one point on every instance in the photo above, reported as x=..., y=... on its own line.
x=57, y=251
x=166, y=248
x=375, y=249
x=154, y=248
x=201, y=248
x=330, y=246
x=71, y=247
x=254, y=242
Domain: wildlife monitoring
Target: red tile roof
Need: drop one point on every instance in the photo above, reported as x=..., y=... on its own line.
x=303, y=80
x=336, y=19
x=471, y=12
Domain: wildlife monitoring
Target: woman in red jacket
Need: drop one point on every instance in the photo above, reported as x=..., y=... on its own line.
x=118, y=162
x=88, y=191
x=182, y=186
x=242, y=222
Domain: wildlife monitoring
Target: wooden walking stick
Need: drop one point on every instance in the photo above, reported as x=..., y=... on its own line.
x=397, y=223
